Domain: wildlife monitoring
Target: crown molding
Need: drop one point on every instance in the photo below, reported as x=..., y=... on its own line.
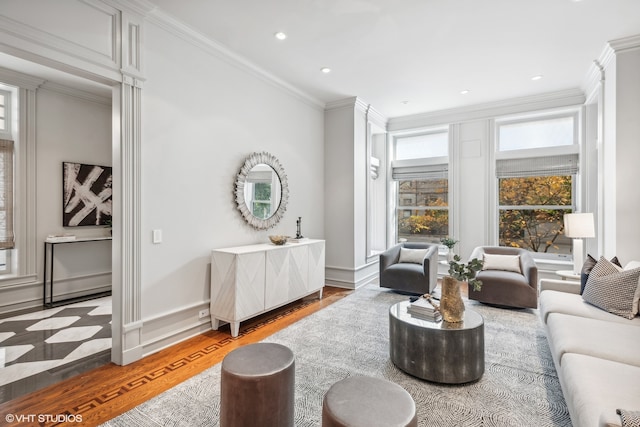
x=199, y=40
x=377, y=118
x=76, y=93
x=341, y=103
x=543, y=101
x=625, y=43
x=597, y=70
x=140, y=7
x=18, y=79
x=361, y=105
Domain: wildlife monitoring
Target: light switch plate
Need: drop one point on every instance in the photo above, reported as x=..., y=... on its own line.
x=157, y=236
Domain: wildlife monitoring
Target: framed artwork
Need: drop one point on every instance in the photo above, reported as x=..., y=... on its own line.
x=86, y=194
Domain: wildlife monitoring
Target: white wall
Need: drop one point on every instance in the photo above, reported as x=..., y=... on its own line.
x=627, y=153
x=346, y=126
x=202, y=116
x=339, y=193
x=470, y=169
x=471, y=174
x=70, y=129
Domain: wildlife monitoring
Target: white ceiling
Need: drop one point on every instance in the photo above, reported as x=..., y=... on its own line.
x=422, y=52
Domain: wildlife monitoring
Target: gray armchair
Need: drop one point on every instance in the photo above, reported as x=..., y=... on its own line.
x=408, y=276
x=507, y=288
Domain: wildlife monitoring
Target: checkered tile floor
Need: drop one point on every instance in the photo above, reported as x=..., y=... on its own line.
x=33, y=343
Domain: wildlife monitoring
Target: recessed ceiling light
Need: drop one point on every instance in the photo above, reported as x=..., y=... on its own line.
x=538, y=77
x=464, y=92
x=325, y=70
x=280, y=35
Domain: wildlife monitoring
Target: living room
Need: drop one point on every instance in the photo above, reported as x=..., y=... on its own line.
x=186, y=111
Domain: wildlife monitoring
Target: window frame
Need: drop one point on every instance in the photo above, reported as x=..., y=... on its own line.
x=21, y=262
x=7, y=261
x=563, y=150
x=7, y=132
x=425, y=164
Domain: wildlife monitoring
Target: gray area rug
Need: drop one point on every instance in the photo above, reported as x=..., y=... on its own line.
x=350, y=337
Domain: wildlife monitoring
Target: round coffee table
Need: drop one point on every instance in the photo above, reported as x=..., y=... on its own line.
x=450, y=353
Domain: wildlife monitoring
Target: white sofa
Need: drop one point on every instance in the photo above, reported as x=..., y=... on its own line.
x=596, y=354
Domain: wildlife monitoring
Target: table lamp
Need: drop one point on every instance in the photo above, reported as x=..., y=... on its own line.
x=578, y=226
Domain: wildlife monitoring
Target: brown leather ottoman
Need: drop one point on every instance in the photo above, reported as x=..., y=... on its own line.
x=257, y=386
x=361, y=401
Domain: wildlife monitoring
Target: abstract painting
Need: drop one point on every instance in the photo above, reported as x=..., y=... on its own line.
x=86, y=194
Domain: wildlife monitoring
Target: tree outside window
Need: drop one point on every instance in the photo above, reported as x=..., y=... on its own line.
x=531, y=212
x=423, y=211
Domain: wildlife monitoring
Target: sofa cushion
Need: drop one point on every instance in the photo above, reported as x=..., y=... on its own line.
x=414, y=256
x=501, y=262
x=592, y=337
x=594, y=388
x=588, y=266
x=562, y=302
x=613, y=290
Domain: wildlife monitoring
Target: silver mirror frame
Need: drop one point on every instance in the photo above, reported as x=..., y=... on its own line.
x=251, y=161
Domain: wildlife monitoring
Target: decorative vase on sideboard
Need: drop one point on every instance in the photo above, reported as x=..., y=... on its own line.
x=451, y=304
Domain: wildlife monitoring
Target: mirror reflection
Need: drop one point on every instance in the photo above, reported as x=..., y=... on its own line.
x=262, y=191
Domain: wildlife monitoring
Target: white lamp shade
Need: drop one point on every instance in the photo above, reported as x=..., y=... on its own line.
x=579, y=225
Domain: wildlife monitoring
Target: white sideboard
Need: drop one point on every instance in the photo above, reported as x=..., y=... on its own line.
x=250, y=280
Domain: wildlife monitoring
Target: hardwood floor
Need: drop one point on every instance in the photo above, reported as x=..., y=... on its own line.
x=97, y=396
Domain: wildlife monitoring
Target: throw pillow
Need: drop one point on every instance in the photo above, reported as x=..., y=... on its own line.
x=611, y=289
x=636, y=298
x=502, y=262
x=588, y=266
x=586, y=269
x=414, y=256
x=629, y=418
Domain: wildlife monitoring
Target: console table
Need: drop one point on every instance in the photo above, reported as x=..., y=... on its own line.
x=49, y=248
x=249, y=280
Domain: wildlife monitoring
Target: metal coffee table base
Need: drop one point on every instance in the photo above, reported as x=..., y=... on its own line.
x=451, y=353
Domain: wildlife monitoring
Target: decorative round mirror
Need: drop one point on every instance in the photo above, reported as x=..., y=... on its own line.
x=262, y=191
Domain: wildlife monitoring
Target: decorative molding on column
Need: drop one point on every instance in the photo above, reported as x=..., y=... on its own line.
x=128, y=298
x=127, y=161
x=133, y=81
x=132, y=45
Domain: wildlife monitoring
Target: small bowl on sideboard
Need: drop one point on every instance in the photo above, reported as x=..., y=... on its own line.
x=278, y=239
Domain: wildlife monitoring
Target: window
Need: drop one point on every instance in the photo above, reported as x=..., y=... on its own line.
x=4, y=112
x=7, y=241
x=536, y=169
x=261, y=201
x=260, y=187
x=420, y=172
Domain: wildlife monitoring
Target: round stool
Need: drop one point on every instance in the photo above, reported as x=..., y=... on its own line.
x=257, y=386
x=368, y=402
